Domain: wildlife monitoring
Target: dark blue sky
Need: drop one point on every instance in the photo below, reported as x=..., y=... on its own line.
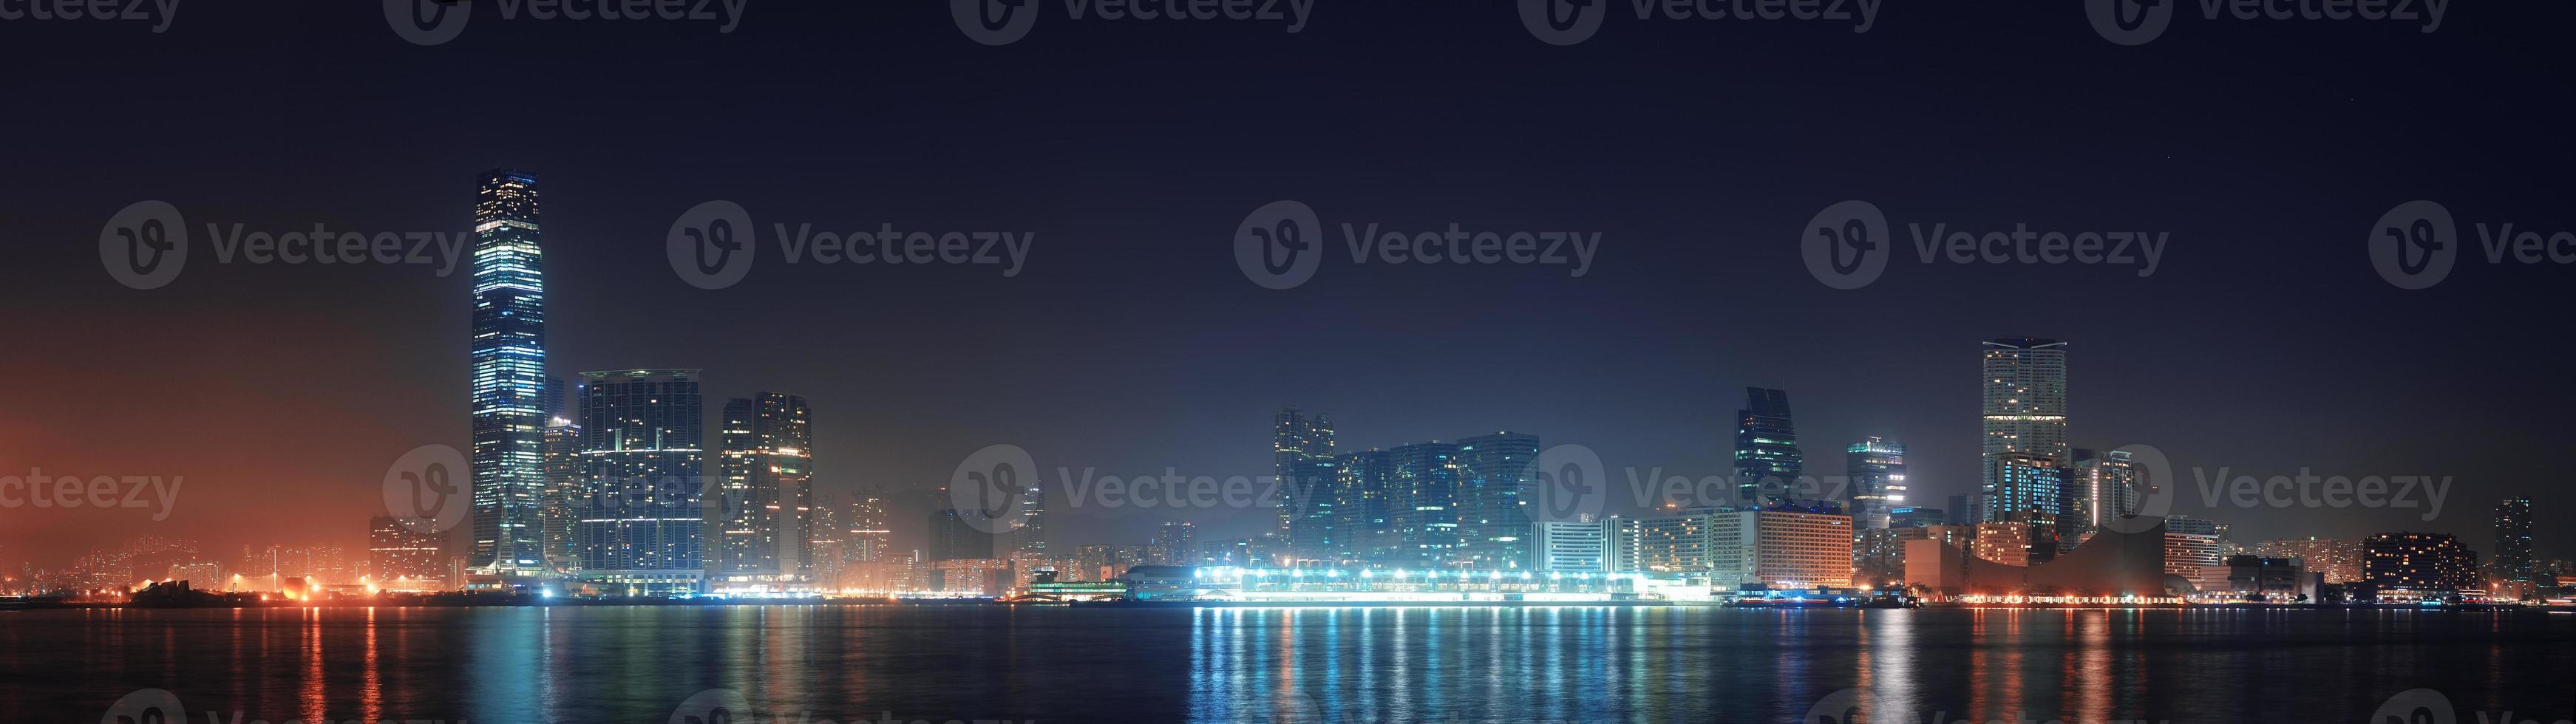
x=2264, y=342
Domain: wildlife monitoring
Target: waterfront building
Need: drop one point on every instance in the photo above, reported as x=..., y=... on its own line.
x=2024, y=384
x=508, y=380
x=1876, y=467
x=2513, y=558
x=2419, y=562
x=764, y=511
x=644, y=515
x=1302, y=457
x=1767, y=461
x=1571, y=547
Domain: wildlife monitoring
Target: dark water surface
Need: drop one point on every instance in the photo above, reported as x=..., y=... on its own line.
x=941, y=663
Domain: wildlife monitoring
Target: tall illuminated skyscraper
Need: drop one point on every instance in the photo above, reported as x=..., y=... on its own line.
x=1494, y=477
x=1767, y=462
x=767, y=469
x=2513, y=558
x=644, y=518
x=509, y=382
x=1876, y=467
x=2025, y=403
x=567, y=476
x=1302, y=456
x=1423, y=487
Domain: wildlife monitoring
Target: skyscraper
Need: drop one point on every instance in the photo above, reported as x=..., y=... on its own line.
x=1364, y=507
x=644, y=517
x=1029, y=532
x=767, y=498
x=2513, y=539
x=954, y=537
x=869, y=537
x=2025, y=402
x=1175, y=544
x=1767, y=462
x=1423, y=487
x=2107, y=486
x=1876, y=467
x=1494, y=474
x=509, y=376
x=2032, y=490
x=1302, y=457
x=566, y=476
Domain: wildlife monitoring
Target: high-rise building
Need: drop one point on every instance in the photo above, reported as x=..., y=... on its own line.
x=566, y=476
x=1176, y=543
x=1767, y=462
x=644, y=517
x=2338, y=560
x=870, y=539
x=2025, y=403
x=401, y=558
x=2192, y=551
x=1876, y=467
x=2418, y=562
x=2513, y=558
x=1029, y=532
x=1302, y=457
x=1493, y=481
x=1424, y=488
x=509, y=376
x=1364, y=507
x=1565, y=547
x=828, y=538
x=2106, y=485
x=954, y=537
x=766, y=506
x=554, y=398
x=2032, y=490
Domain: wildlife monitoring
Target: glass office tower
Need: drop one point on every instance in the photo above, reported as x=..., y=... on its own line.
x=1767, y=462
x=509, y=382
x=645, y=512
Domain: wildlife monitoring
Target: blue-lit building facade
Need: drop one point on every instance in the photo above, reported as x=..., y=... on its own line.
x=642, y=528
x=509, y=377
x=1495, y=471
x=1302, y=457
x=1876, y=467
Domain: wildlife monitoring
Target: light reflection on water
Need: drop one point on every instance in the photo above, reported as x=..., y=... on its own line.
x=861, y=663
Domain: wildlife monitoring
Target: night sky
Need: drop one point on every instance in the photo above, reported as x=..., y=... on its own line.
x=2264, y=342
